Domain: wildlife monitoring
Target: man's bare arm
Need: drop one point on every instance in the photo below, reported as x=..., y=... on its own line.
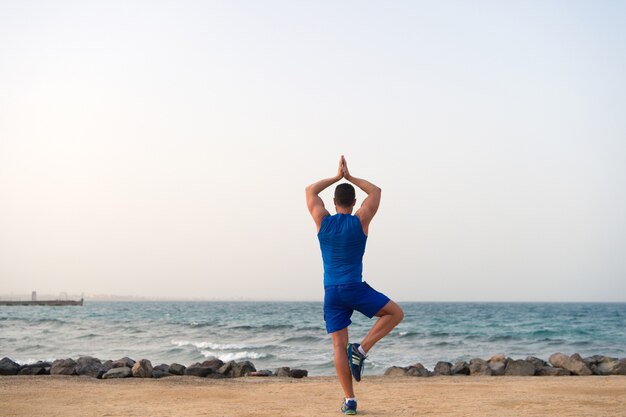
x=313, y=201
x=368, y=209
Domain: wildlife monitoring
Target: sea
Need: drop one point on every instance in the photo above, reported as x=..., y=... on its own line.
x=275, y=334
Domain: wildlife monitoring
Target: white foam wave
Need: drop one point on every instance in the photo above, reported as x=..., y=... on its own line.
x=209, y=345
x=233, y=356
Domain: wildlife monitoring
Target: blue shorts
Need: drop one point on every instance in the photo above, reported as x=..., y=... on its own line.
x=340, y=301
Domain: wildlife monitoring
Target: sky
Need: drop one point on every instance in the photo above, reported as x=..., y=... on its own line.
x=161, y=148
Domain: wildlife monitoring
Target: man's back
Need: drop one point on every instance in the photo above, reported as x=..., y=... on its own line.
x=342, y=242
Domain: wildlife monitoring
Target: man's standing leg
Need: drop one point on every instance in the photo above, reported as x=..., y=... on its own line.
x=340, y=341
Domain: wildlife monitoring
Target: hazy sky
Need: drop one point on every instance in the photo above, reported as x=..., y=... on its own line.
x=161, y=148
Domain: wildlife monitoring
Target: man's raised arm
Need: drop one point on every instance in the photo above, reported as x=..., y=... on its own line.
x=313, y=200
x=368, y=209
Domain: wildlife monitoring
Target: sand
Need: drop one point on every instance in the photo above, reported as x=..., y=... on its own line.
x=314, y=396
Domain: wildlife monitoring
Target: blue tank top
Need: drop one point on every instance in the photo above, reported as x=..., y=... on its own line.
x=342, y=242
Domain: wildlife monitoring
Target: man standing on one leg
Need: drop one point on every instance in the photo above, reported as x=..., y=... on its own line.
x=342, y=240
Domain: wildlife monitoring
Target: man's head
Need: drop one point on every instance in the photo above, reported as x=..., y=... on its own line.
x=344, y=196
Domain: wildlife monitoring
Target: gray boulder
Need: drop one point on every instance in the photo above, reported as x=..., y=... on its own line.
x=550, y=371
x=159, y=373
x=443, y=368
x=242, y=369
x=198, y=370
x=298, y=373
x=105, y=367
x=395, y=371
x=573, y=363
x=596, y=359
x=123, y=372
x=417, y=370
x=537, y=363
x=162, y=367
x=283, y=372
x=125, y=361
x=142, y=369
x=86, y=365
x=214, y=364
x=519, y=368
x=39, y=368
x=479, y=367
x=8, y=367
x=610, y=366
x=227, y=369
x=497, y=363
x=177, y=369
x=460, y=368
x=63, y=367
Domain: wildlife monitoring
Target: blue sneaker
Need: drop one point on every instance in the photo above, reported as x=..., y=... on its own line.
x=349, y=407
x=356, y=360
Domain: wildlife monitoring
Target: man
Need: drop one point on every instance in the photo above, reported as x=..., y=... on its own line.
x=342, y=240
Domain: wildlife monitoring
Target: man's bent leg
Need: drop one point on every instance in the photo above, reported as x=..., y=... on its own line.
x=340, y=340
x=389, y=317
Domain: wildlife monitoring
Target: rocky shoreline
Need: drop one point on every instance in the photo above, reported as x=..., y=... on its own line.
x=127, y=367
x=499, y=365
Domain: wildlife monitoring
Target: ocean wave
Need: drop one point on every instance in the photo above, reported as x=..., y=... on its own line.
x=503, y=337
x=213, y=346
x=233, y=356
x=302, y=339
x=87, y=336
x=262, y=327
x=410, y=334
x=31, y=361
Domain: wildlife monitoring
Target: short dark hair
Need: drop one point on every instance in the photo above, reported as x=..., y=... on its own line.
x=344, y=195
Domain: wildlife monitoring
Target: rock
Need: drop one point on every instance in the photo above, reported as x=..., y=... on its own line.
x=537, y=363
x=497, y=358
x=460, y=368
x=125, y=361
x=395, y=371
x=198, y=370
x=443, y=368
x=478, y=367
x=142, y=369
x=298, y=373
x=214, y=364
x=39, y=368
x=596, y=359
x=497, y=364
x=610, y=366
x=159, y=373
x=519, y=368
x=162, y=367
x=8, y=367
x=177, y=369
x=63, y=367
x=574, y=363
x=227, y=369
x=417, y=370
x=283, y=371
x=242, y=369
x=123, y=372
x=263, y=373
x=550, y=371
x=86, y=365
x=104, y=368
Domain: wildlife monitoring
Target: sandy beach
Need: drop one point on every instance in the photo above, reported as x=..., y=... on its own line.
x=315, y=396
